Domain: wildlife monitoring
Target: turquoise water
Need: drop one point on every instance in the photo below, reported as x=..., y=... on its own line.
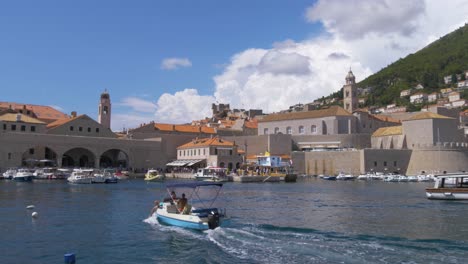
x=312, y=221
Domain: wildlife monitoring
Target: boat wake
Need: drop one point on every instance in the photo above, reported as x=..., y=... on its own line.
x=266, y=243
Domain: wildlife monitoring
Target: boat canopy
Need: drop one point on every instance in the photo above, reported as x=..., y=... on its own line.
x=192, y=184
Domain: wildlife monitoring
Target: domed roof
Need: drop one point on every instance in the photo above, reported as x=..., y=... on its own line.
x=350, y=75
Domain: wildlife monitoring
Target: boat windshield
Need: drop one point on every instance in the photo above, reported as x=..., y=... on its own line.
x=199, y=194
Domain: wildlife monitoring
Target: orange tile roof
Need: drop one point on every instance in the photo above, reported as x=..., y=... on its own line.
x=427, y=115
x=42, y=112
x=253, y=123
x=61, y=122
x=385, y=118
x=12, y=117
x=388, y=131
x=184, y=128
x=331, y=111
x=206, y=142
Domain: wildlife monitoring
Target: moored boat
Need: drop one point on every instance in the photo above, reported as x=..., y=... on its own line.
x=154, y=176
x=23, y=175
x=211, y=173
x=81, y=176
x=449, y=187
x=197, y=211
x=9, y=173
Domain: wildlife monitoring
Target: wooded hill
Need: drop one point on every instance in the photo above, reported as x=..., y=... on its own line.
x=446, y=56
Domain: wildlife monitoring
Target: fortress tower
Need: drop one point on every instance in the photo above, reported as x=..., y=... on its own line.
x=350, y=99
x=104, y=115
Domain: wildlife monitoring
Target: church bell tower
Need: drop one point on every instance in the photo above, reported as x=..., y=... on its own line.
x=350, y=99
x=104, y=115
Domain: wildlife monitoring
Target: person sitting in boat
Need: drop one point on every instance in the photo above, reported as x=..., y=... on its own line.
x=171, y=199
x=181, y=203
x=156, y=206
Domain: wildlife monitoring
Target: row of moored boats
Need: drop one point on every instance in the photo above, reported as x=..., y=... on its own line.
x=381, y=177
x=78, y=176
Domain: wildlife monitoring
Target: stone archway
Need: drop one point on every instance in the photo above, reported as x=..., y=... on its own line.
x=78, y=157
x=39, y=156
x=114, y=158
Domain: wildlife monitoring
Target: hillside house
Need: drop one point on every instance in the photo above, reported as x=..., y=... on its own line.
x=405, y=93
x=462, y=84
x=418, y=98
x=433, y=97
x=459, y=103
x=454, y=96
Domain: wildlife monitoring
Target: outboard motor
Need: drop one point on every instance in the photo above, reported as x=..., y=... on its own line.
x=213, y=220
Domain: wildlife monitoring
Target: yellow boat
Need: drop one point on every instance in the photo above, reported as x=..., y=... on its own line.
x=154, y=175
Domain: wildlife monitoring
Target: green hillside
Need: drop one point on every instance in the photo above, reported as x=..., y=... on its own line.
x=446, y=56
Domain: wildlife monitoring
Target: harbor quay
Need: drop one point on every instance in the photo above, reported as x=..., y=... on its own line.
x=312, y=141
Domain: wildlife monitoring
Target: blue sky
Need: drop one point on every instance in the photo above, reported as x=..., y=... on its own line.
x=65, y=53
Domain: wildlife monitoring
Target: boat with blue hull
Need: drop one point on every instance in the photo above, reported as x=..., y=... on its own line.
x=194, y=209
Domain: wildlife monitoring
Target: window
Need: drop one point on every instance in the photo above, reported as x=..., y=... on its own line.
x=13, y=127
x=198, y=151
x=9, y=156
x=313, y=129
x=33, y=128
x=80, y=129
x=216, y=151
x=4, y=126
x=23, y=128
x=89, y=129
x=230, y=152
x=301, y=129
x=289, y=130
x=71, y=128
x=375, y=163
x=265, y=131
x=395, y=163
x=31, y=151
x=97, y=129
x=385, y=164
x=203, y=151
x=276, y=130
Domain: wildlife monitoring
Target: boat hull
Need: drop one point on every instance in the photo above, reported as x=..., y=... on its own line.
x=23, y=178
x=447, y=194
x=194, y=223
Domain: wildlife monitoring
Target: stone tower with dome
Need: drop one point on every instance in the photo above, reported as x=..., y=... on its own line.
x=104, y=115
x=350, y=99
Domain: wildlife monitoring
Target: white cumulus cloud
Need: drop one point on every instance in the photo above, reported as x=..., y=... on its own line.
x=183, y=106
x=364, y=35
x=175, y=63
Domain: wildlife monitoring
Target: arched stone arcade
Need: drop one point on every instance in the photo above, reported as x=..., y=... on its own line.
x=78, y=157
x=39, y=156
x=114, y=158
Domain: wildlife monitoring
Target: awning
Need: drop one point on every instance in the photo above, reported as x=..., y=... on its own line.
x=194, y=162
x=179, y=163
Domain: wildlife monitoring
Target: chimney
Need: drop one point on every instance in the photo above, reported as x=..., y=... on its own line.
x=73, y=114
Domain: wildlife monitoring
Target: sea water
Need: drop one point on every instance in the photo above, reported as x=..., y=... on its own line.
x=311, y=221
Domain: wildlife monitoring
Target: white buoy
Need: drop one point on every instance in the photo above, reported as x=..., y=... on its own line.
x=35, y=215
x=30, y=207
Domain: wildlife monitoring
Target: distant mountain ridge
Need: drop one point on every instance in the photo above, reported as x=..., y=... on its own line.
x=446, y=56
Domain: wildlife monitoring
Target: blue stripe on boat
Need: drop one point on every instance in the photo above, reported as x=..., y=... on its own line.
x=182, y=223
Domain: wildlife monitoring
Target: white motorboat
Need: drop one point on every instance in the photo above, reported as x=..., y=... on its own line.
x=44, y=173
x=198, y=211
x=345, y=177
x=98, y=177
x=9, y=173
x=211, y=174
x=23, y=175
x=80, y=176
x=449, y=187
